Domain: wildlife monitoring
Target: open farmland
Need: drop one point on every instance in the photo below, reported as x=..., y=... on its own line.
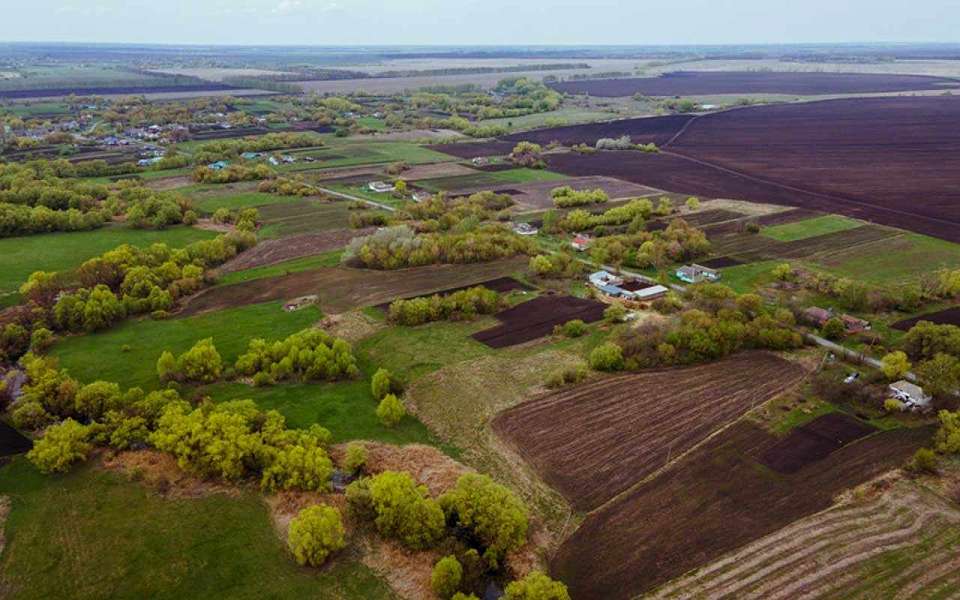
x=536, y=318
x=536, y=195
x=822, y=156
x=343, y=288
x=712, y=501
x=658, y=130
x=892, y=543
x=298, y=216
x=576, y=438
x=698, y=83
x=272, y=252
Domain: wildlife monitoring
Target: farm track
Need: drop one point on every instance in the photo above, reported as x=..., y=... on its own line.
x=825, y=555
x=636, y=423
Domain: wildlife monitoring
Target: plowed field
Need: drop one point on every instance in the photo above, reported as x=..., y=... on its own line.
x=595, y=440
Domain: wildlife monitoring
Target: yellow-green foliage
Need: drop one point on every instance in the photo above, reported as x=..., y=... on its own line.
x=315, y=533
x=309, y=355
x=404, y=510
x=201, y=363
x=536, y=586
x=381, y=383
x=356, y=457
x=98, y=397
x=947, y=438
x=491, y=511
x=302, y=467
x=606, y=357
x=390, y=411
x=446, y=576
x=61, y=446
x=464, y=304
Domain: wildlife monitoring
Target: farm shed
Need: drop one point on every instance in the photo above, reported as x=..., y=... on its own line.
x=697, y=273
x=912, y=395
x=380, y=187
x=581, y=242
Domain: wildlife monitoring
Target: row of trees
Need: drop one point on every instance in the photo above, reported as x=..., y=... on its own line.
x=566, y=197
x=679, y=242
x=459, y=305
x=719, y=324
x=226, y=149
x=309, y=355
x=399, y=246
x=232, y=173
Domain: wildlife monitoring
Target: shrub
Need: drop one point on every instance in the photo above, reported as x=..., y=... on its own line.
x=166, y=367
x=60, y=447
x=404, y=511
x=892, y=405
x=833, y=329
x=573, y=329
x=94, y=399
x=446, y=577
x=615, y=313
x=315, y=533
x=607, y=357
x=381, y=383
x=201, y=363
x=390, y=411
x=463, y=304
x=895, y=365
x=309, y=355
x=40, y=340
x=567, y=376
x=924, y=461
x=31, y=416
x=355, y=458
x=301, y=467
x=536, y=586
x=491, y=511
x=947, y=438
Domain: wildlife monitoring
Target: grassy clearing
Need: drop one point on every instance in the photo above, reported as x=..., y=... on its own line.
x=341, y=152
x=361, y=190
x=101, y=355
x=35, y=109
x=302, y=216
x=898, y=259
x=492, y=178
x=234, y=201
x=346, y=408
x=21, y=256
x=93, y=534
x=746, y=278
x=372, y=123
x=808, y=228
x=326, y=259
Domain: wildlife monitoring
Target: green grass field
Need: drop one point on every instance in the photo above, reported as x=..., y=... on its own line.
x=101, y=356
x=326, y=259
x=372, y=123
x=209, y=203
x=341, y=152
x=800, y=230
x=492, y=179
x=746, y=278
x=298, y=215
x=902, y=258
x=554, y=118
x=93, y=534
x=21, y=256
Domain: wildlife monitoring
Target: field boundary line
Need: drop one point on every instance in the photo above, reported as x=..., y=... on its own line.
x=357, y=199
x=681, y=131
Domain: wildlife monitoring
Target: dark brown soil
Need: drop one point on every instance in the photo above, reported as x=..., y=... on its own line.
x=534, y=319
x=12, y=442
x=595, y=440
x=474, y=149
x=949, y=316
x=296, y=246
x=720, y=262
x=341, y=289
x=814, y=441
x=106, y=91
x=643, y=130
x=703, y=83
x=712, y=501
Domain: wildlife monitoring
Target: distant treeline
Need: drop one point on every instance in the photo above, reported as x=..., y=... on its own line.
x=341, y=74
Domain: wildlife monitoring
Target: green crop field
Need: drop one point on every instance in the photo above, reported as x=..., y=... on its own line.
x=208, y=203
x=103, y=356
x=95, y=534
x=302, y=216
x=746, y=278
x=902, y=258
x=808, y=228
x=21, y=256
x=341, y=153
x=325, y=259
x=491, y=179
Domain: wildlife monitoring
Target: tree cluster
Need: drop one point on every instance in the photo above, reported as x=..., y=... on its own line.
x=309, y=355
x=566, y=197
x=460, y=305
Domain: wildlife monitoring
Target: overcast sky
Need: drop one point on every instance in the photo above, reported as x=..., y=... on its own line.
x=343, y=22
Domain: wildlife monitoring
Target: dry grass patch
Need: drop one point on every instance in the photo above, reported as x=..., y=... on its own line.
x=159, y=471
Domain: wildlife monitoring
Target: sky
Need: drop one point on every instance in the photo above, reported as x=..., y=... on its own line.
x=472, y=22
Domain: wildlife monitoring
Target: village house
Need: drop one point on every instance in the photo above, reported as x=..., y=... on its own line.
x=912, y=395
x=697, y=273
x=818, y=317
x=581, y=242
x=421, y=196
x=380, y=187
x=524, y=229
x=638, y=290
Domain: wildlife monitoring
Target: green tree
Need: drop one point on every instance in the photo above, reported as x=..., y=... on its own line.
x=615, y=313
x=924, y=460
x=94, y=399
x=833, y=329
x=355, y=458
x=390, y=410
x=536, y=586
x=166, y=367
x=381, y=383
x=446, y=577
x=315, y=533
x=606, y=357
x=783, y=272
x=491, y=511
x=540, y=265
x=301, y=467
x=61, y=446
x=693, y=203
x=201, y=363
x=940, y=375
x=404, y=510
x=947, y=438
x=895, y=365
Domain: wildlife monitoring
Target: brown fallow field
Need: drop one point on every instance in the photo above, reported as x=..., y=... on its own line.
x=895, y=540
x=714, y=500
x=342, y=288
x=537, y=195
x=270, y=252
x=593, y=441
